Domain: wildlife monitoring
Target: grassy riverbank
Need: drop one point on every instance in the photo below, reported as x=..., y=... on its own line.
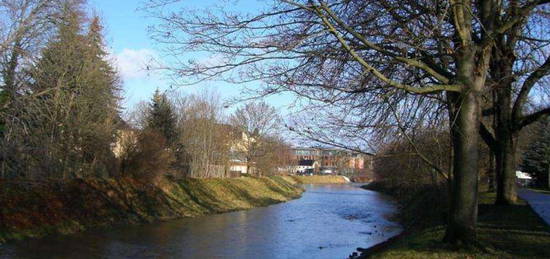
x=66, y=207
x=503, y=232
x=315, y=179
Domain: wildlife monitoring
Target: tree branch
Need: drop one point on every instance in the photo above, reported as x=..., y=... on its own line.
x=487, y=136
x=526, y=120
x=411, y=142
x=524, y=11
x=412, y=62
x=414, y=90
x=529, y=83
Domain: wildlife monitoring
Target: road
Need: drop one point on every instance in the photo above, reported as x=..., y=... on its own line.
x=540, y=202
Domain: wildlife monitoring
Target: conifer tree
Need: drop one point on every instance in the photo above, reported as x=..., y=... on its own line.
x=79, y=102
x=162, y=118
x=536, y=159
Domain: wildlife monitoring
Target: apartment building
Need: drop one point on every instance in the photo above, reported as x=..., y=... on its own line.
x=334, y=161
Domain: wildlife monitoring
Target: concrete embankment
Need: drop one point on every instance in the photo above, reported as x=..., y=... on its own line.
x=43, y=208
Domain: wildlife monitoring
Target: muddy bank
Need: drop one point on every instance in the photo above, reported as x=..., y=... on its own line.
x=45, y=208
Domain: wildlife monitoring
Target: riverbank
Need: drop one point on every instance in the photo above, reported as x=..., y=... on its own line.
x=503, y=231
x=37, y=209
x=315, y=179
x=346, y=216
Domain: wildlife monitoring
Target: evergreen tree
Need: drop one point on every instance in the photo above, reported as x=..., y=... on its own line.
x=162, y=118
x=536, y=160
x=79, y=101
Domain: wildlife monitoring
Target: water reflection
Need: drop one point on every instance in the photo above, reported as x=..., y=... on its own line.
x=329, y=221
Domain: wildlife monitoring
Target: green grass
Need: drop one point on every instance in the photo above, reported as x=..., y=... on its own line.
x=503, y=232
x=86, y=203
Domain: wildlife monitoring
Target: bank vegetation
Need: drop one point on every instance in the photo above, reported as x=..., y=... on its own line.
x=423, y=197
x=64, y=207
x=71, y=159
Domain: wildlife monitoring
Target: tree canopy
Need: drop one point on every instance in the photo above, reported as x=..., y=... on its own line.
x=62, y=119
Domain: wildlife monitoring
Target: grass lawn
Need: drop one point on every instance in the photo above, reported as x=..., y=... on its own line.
x=503, y=232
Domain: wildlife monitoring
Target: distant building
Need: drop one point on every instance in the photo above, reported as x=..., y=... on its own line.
x=306, y=154
x=334, y=161
x=237, y=168
x=240, y=143
x=307, y=166
x=125, y=137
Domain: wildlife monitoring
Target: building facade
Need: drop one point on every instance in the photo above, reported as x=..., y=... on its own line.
x=333, y=161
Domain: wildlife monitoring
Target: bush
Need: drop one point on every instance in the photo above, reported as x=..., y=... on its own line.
x=420, y=206
x=148, y=158
x=420, y=190
x=399, y=165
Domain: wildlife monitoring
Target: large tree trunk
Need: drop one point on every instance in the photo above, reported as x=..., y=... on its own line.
x=463, y=214
x=506, y=169
x=505, y=138
x=491, y=173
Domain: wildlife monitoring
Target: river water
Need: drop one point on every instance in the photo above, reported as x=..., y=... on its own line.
x=329, y=221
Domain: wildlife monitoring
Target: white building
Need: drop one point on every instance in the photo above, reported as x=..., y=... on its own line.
x=523, y=178
x=307, y=166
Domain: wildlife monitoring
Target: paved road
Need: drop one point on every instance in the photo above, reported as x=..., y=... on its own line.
x=540, y=202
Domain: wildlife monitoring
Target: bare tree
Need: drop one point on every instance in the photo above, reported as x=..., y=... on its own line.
x=25, y=27
x=277, y=158
x=363, y=49
x=204, y=138
x=258, y=121
x=518, y=74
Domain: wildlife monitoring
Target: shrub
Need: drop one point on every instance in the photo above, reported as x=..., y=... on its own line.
x=148, y=158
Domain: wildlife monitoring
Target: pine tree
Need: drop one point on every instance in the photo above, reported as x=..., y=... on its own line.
x=162, y=118
x=79, y=101
x=536, y=159
x=103, y=79
x=100, y=101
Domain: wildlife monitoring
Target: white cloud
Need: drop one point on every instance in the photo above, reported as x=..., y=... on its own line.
x=212, y=60
x=139, y=82
x=133, y=63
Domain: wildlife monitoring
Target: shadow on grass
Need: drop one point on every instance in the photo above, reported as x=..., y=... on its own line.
x=503, y=232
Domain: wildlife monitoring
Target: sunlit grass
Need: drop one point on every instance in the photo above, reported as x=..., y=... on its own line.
x=315, y=179
x=86, y=203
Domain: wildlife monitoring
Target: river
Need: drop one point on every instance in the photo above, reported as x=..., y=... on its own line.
x=329, y=221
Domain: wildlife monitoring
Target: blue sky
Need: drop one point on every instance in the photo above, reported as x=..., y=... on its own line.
x=126, y=36
x=131, y=48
